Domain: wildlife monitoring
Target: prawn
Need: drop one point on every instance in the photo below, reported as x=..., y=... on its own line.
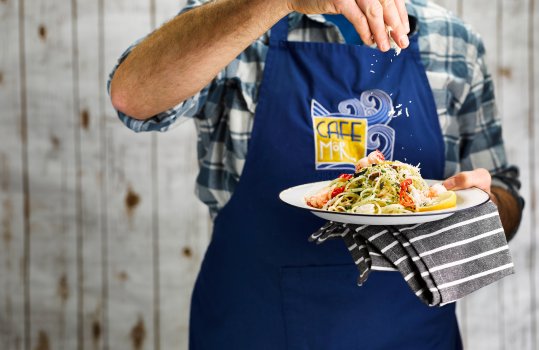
x=323, y=196
x=319, y=199
x=375, y=157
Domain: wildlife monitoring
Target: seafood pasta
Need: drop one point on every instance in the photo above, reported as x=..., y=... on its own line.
x=382, y=187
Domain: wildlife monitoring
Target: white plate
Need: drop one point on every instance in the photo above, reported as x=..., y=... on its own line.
x=466, y=199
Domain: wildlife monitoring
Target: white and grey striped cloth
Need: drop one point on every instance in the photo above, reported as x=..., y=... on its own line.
x=442, y=261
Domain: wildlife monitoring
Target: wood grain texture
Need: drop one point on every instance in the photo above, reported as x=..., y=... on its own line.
x=533, y=119
x=516, y=98
x=129, y=199
x=454, y=6
x=12, y=238
x=90, y=162
x=52, y=173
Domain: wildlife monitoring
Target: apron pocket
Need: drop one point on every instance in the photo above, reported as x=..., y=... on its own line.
x=323, y=308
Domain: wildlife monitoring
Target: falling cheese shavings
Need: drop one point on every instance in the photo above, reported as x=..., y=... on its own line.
x=398, y=110
x=392, y=42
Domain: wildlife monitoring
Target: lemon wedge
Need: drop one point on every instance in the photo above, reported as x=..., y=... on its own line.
x=445, y=200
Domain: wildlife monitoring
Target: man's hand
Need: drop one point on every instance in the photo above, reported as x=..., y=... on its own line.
x=479, y=178
x=369, y=17
x=508, y=207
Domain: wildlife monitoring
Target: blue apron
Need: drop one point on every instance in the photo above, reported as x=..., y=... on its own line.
x=262, y=285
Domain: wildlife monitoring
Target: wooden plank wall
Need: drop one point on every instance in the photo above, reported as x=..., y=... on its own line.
x=101, y=234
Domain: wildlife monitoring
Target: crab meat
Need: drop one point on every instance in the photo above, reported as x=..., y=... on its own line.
x=375, y=157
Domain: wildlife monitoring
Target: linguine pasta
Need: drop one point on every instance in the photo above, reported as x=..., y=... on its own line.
x=379, y=187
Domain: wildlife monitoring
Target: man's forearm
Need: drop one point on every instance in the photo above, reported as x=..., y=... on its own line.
x=183, y=56
x=509, y=209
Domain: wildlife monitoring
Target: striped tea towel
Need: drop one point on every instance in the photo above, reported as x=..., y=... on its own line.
x=442, y=261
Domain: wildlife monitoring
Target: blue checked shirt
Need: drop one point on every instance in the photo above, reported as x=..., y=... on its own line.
x=454, y=59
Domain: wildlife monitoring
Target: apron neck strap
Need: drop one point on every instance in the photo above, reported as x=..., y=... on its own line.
x=279, y=32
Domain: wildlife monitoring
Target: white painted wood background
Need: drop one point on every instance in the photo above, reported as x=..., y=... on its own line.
x=101, y=235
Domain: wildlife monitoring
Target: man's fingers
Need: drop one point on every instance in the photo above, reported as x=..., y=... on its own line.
x=477, y=178
x=392, y=18
x=458, y=182
x=354, y=15
x=403, y=13
x=375, y=16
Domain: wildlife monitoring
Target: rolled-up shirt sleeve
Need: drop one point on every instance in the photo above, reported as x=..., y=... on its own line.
x=190, y=108
x=482, y=143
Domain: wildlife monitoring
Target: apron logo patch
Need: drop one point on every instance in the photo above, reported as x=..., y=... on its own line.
x=359, y=126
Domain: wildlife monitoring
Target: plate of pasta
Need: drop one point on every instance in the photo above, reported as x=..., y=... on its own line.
x=382, y=192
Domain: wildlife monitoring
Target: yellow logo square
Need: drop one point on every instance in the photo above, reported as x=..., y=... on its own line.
x=339, y=141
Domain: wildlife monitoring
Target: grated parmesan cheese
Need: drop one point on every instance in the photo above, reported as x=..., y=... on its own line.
x=392, y=42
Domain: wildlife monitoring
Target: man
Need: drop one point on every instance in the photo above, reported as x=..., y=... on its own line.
x=260, y=100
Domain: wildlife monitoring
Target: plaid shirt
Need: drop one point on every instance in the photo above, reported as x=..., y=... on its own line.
x=454, y=59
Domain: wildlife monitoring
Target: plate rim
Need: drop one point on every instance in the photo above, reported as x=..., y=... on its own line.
x=417, y=214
